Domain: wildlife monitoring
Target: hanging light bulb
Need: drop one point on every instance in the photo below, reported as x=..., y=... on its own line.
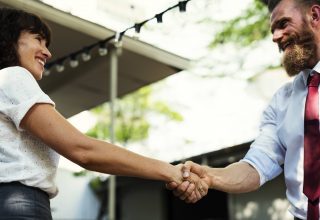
x=47, y=67
x=86, y=56
x=118, y=39
x=183, y=5
x=46, y=72
x=59, y=67
x=159, y=17
x=74, y=62
x=137, y=28
x=102, y=49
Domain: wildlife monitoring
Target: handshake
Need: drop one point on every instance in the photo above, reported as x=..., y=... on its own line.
x=193, y=184
x=192, y=180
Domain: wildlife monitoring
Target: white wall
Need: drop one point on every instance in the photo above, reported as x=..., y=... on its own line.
x=75, y=201
x=269, y=202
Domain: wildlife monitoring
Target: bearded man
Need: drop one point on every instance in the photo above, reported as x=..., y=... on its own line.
x=289, y=138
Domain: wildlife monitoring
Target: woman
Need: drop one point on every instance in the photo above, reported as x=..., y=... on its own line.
x=33, y=133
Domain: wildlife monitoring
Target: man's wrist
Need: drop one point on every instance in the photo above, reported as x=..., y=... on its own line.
x=209, y=172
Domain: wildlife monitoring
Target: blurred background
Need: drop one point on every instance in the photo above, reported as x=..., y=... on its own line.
x=191, y=87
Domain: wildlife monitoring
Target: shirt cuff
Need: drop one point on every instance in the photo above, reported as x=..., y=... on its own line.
x=265, y=166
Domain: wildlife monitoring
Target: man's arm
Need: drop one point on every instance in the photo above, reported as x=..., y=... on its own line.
x=238, y=177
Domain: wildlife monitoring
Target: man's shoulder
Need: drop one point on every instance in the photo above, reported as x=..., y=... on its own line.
x=295, y=85
x=285, y=90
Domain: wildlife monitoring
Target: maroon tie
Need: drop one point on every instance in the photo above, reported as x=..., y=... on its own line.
x=311, y=185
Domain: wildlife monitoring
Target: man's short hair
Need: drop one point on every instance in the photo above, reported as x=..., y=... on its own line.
x=273, y=3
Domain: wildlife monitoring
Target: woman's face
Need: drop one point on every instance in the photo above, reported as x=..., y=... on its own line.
x=33, y=53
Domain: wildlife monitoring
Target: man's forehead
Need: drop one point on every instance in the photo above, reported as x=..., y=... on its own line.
x=283, y=8
x=278, y=9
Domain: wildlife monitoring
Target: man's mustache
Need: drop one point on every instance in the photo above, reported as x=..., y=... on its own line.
x=305, y=39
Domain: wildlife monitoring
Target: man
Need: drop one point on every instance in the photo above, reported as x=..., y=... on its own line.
x=289, y=134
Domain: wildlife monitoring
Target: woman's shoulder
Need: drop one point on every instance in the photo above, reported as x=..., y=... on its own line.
x=14, y=70
x=15, y=73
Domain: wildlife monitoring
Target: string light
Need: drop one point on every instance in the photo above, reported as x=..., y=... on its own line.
x=137, y=29
x=159, y=18
x=102, y=45
x=118, y=38
x=86, y=56
x=103, y=51
x=59, y=68
x=46, y=72
x=73, y=61
x=183, y=6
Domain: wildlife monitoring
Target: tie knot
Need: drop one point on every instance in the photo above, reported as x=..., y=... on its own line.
x=314, y=80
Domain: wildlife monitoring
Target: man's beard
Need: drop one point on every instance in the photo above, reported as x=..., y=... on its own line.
x=300, y=54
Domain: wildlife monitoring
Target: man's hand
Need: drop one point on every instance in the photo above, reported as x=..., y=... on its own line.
x=196, y=184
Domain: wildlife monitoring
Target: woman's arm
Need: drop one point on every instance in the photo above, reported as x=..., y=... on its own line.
x=44, y=122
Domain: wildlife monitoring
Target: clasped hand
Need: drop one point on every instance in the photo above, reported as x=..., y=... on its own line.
x=194, y=185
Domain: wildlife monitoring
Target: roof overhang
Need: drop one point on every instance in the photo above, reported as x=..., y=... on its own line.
x=78, y=89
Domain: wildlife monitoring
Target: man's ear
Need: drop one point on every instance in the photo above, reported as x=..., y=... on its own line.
x=315, y=15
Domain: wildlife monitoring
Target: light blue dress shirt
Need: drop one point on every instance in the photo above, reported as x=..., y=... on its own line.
x=279, y=145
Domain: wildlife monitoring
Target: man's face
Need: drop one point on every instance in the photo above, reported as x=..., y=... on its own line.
x=294, y=37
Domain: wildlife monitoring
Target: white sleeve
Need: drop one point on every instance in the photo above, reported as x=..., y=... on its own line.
x=19, y=91
x=266, y=153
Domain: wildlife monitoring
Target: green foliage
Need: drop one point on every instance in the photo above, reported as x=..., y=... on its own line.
x=80, y=173
x=131, y=123
x=97, y=184
x=251, y=26
x=165, y=110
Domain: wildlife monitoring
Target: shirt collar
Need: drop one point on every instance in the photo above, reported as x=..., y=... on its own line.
x=307, y=72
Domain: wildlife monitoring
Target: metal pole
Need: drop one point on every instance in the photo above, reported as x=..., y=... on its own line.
x=113, y=95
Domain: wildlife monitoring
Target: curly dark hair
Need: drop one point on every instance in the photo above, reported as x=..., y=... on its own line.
x=12, y=23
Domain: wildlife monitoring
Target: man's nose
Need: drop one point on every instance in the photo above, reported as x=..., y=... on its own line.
x=277, y=35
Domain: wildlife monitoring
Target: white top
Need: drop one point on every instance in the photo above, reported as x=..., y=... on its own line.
x=23, y=157
x=280, y=143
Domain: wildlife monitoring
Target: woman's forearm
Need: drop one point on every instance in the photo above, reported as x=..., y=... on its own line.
x=104, y=157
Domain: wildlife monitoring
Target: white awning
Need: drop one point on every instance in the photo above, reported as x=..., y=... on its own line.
x=78, y=89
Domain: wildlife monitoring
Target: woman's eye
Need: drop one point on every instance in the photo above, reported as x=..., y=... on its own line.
x=38, y=38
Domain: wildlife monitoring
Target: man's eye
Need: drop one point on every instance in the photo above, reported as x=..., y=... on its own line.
x=283, y=24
